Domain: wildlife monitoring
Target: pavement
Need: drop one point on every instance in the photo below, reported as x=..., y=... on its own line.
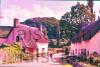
x=34, y=63
x=44, y=62
x=41, y=62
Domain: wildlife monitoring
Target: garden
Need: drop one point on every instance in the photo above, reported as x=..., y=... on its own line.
x=13, y=54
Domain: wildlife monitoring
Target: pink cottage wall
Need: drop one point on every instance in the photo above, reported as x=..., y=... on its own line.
x=91, y=45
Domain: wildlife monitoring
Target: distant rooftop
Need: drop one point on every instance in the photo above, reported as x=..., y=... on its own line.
x=5, y=31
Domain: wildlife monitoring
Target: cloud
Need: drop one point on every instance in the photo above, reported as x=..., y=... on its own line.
x=37, y=10
x=23, y=14
x=42, y=11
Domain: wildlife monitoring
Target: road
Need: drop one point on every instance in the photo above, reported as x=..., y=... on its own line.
x=42, y=62
x=35, y=64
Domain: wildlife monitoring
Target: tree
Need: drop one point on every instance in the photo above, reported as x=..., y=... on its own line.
x=71, y=22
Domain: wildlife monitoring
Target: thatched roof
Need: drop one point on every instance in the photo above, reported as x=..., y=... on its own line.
x=87, y=32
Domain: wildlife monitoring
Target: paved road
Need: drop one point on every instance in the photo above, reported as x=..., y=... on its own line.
x=42, y=62
x=35, y=63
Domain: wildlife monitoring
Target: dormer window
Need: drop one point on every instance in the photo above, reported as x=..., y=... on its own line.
x=20, y=35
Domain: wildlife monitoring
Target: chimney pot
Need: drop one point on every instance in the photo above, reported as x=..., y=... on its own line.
x=16, y=21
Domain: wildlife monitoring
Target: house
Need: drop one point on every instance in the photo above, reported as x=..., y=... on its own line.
x=29, y=37
x=87, y=40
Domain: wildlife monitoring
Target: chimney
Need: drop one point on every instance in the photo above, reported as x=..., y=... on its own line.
x=16, y=21
x=41, y=29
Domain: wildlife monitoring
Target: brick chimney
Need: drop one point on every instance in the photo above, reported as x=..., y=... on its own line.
x=16, y=21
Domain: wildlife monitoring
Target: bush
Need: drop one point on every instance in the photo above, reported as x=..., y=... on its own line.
x=10, y=54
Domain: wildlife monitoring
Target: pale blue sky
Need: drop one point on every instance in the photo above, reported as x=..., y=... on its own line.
x=24, y=9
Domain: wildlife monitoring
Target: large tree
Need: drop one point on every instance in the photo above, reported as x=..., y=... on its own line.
x=71, y=22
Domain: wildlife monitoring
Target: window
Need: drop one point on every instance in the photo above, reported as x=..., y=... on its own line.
x=83, y=52
x=76, y=51
x=17, y=38
x=73, y=52
x=87, y=52
x=43, y=49
x=21, y=33
x=79, y=52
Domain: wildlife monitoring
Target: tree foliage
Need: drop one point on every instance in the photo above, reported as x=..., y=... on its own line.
x=71, y=22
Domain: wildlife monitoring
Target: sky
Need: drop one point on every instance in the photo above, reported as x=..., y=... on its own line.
x=25, y=9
